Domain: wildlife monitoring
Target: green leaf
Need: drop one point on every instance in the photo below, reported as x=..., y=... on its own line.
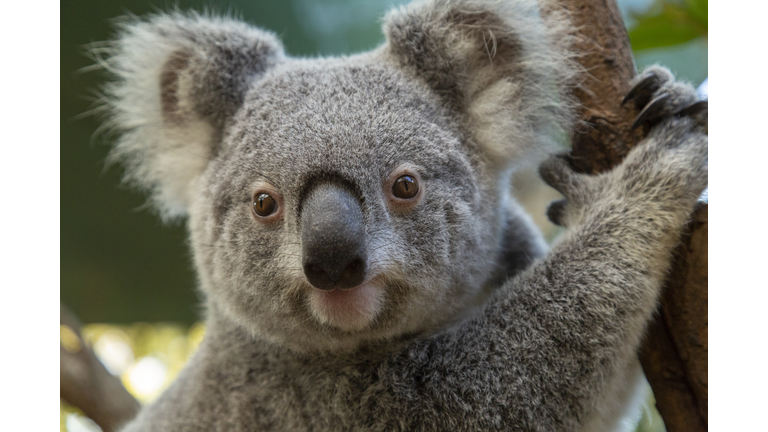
x=660, y=31
x=698, y=10
x=673, y=25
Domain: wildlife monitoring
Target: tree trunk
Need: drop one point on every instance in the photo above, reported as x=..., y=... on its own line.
x=674, y=355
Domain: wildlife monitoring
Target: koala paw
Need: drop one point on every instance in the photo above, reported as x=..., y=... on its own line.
x=669, y=167
x=670, y=164
x=575, y=187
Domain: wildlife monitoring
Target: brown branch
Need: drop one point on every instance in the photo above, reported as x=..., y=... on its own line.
x=86, y=384
x=606, y=55
x=674, y=356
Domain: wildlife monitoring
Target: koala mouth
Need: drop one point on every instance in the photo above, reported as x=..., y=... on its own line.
x=348, y=309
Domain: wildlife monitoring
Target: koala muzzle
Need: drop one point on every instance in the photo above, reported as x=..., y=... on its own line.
x=333, y=238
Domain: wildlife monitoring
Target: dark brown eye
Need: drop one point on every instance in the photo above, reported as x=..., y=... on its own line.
x=264, y=205
x=405, y=187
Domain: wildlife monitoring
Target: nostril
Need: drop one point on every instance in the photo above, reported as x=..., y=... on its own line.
x=355, y=266
x=318, y=277
x=315, y=268
x=353, y=274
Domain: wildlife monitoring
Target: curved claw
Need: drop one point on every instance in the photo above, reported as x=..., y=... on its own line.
x=650, y=110
x=693, y=110
x=643, y=90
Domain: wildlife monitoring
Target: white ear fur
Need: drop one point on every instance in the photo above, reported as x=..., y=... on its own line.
x=178, y=78
x=505, y=66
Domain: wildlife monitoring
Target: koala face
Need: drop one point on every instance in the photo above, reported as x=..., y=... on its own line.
x=375, y=209
x=334, y=202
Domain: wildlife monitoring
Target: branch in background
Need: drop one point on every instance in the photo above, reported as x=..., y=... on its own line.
x=674, y=355
x=86, y=384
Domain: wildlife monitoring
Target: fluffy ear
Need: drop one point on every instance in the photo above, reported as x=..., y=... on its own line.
x=503, y=66
x=178, y=79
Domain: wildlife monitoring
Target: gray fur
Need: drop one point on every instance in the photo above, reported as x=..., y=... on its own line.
x=468, y=326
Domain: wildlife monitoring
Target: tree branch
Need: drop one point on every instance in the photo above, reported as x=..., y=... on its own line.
x=675, y=353
x=86, y=384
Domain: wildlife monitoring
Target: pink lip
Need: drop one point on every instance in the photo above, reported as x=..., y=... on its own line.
x=348, y=309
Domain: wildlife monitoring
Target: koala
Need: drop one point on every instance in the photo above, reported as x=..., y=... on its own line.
x=363, y=262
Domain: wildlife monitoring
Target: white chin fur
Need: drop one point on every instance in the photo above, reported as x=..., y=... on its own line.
x=349, y=310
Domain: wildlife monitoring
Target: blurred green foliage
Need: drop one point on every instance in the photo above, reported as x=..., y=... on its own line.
x=669, y=22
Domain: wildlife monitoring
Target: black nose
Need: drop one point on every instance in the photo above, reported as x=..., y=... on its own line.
x=333, y=238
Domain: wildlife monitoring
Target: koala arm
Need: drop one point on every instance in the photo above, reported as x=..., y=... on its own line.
x=551, y=343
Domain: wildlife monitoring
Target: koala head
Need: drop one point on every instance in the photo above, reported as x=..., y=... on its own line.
x=337, y=201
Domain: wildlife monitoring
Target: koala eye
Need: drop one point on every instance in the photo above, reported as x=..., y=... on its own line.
x=405, y=187
x=264, y=205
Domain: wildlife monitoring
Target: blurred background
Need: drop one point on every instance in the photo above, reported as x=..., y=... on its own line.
x=127, y=276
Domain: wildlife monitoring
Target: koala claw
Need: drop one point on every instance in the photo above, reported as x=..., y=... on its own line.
x=694, y=110
x=699, y=113
x=643, y=90
x=652, y=112
x=659, y=96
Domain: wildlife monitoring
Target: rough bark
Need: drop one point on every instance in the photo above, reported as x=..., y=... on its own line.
x=674, y=355
x=605, y=136
x=86, y=384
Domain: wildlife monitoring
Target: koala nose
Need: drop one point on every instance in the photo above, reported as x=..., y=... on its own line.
x=333, y=238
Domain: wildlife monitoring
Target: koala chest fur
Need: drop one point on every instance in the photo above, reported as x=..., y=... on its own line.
x=363, y=262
